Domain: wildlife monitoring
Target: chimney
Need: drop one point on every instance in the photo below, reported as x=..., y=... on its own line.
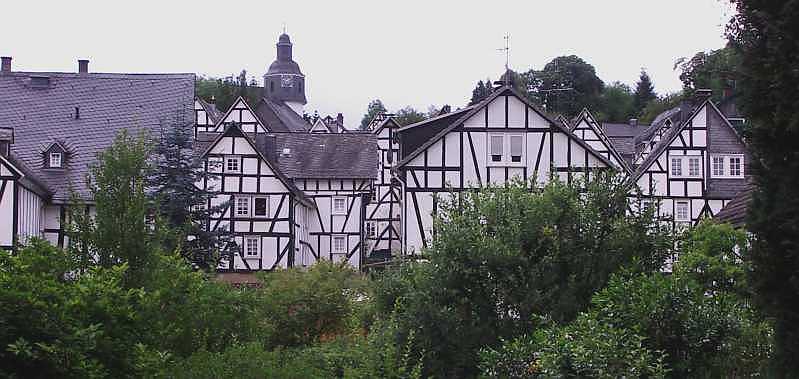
x=6, y=139
x=339, y=123
x=6, y=65
x=634, y=122
x=83, y=66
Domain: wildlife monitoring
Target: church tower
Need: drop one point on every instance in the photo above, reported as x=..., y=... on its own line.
x=284, y=81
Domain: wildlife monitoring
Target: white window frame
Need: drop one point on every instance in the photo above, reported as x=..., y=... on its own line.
x=232, y=158
x=677, y=208
x=237, y=200
x=56, y=159
x=727, y=169
x=371, y=229
x=698, y=160
x=506, y=159
x=684, y=166
x=678, y=173
x=247, y=246
x=254, y=200
x=338, y=249
x=337, y=211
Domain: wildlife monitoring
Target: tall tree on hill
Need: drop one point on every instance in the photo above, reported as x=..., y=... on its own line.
x=225, y=91
x=374, y=108
x=644, y=92
x=480, y=92
x=181, y=204
x=765, y=34
x=716, y=70
x=409, y=115
x=616, y=103
x=565, y=85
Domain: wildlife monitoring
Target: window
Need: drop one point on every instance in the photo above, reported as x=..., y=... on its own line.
x=718, y=166
x=251, y=246
x=242, y=206
x=496, y=148
x=232, y=164
x=694, y=166
x=339, y=205
x=735, y=167
x=729, y=166
x=55, y=159
x=339, y=244
x=516, y=148
x=371, y=229
x=261, y=206
x=681, y=212
x=676, y=166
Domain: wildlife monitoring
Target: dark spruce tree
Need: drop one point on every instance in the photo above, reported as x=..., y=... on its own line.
x=480, y=92
x=766, y=36
x=182, y=205
x=644, y=92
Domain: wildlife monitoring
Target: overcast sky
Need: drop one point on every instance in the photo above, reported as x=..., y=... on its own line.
x=405, y=52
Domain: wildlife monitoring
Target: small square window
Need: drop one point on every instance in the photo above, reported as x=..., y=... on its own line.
x=339, y=205
x=694, y=166
x=681, y=211
x=251, y=246
x=261, y=206
x=371, y=229
x=676, y=166
x=242, y=206
x=736, y=169
x=232, y=164
x=55, y=159
x=718, y=166
x=339, y=244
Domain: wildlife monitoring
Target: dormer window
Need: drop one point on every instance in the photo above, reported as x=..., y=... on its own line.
x=56, y=160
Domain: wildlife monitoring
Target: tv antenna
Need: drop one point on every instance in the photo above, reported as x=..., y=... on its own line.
x=506, y=49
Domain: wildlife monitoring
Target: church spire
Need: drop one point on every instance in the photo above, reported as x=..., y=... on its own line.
x=284, y=82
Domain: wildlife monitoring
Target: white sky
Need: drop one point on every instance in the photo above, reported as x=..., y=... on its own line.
x=405, y=52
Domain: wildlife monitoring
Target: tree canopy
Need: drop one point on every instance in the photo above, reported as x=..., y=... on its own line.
x=374, y=108
x=565, y=85
x=644, y=93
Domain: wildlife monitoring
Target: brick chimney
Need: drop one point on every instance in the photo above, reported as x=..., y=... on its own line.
x=6, y=67
x=83, y=66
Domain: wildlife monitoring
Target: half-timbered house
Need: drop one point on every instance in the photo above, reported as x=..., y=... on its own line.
x=54, y=124
x=692, y=165
x=383, y=213
x=587, y=128
x=501, y=138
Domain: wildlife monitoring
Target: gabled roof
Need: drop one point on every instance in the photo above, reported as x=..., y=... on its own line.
x=320, y=126
x=323, y=156
x=233, y=130
x=735, y=212
x=468, y=112
x=108, y=103
x=389, y=122
x=585, y=115
x=213, y=113
x=233, y=107
x=279, y=117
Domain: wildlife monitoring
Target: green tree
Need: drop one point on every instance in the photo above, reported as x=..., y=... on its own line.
x=644, y=92
x=504, y=254
x=716, y=70
x=565, y=85
x=766, y=38
x=658, y=106
x=409, y=115
x=480, y=92
x=616, y=103
x=224, y=91
x=181, y=204
x=374, y=108
x=118, y=232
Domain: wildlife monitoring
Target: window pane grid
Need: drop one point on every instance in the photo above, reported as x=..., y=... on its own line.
x=694, y=167
x=676, y=166
x=242, y=206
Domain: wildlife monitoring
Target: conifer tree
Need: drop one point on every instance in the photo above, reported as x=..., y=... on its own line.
x=181, y=204
x=644, y=92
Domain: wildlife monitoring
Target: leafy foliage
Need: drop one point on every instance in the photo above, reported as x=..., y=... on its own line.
x=766, y=38
x=374, y=108
x=224, y=91
x=505, y=254
x=716, y=70
x=616, y=103
x=644, y=92
x=658, y=106
x=565, y=85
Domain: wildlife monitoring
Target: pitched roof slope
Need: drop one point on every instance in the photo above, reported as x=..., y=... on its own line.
x=279, y=117
x=336, y=156
x=106, y=104
x=736, y=210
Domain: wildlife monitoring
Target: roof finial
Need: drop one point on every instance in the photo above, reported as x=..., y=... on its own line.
x=284, y=28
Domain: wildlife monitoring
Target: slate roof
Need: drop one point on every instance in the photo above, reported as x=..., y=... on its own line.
x=335, y=156
x=107, y=103
x=736, y=210
x=622, y=136
x=279, y=117
x=213, y=112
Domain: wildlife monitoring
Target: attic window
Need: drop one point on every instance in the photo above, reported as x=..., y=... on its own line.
x=55, y=160
x=40, y=81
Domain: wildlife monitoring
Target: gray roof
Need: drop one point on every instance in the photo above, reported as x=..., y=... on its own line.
x=107, y=103
x=213, y=112
x=335, y=156
x=279, y=117
x=735, y=212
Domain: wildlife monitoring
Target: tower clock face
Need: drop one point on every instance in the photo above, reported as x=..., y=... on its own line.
x=286, y=81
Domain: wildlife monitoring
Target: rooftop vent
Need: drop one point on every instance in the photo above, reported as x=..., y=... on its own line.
x=40, y=81
x=286, y=152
